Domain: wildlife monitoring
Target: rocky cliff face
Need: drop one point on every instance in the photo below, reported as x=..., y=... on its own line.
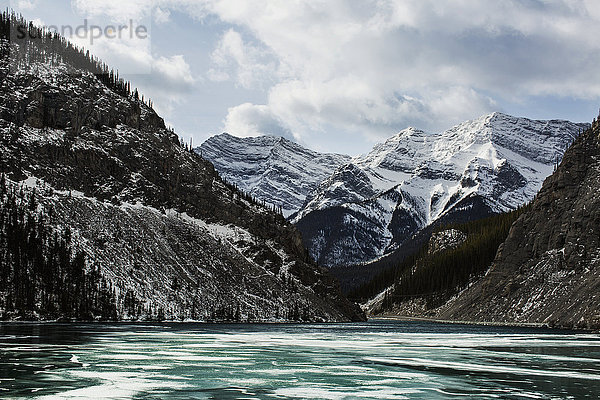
x=548, y=270
x=372, y=205
x=146, y=210
x=272, y=169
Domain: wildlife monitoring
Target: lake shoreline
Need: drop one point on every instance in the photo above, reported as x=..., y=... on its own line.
x=399, y=318
x=477, y=323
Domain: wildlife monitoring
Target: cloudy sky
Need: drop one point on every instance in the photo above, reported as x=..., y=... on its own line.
x=340, y=75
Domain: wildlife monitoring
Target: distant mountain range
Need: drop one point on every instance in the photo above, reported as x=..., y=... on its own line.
x=539, y=264
x=353, y=211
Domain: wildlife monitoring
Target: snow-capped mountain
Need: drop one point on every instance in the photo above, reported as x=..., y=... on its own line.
x=548, y=269
x=372, y=204
x=271, y=168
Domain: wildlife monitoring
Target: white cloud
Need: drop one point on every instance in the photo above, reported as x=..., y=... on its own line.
x=162, y=77
x=160, y=15
x=352, y=105
x=175, y=69
x=24, y=4
x=217, y=75
x=118, y=10
x=171, y=78
x=234, y=58
x=254, y=120
x=377, y=66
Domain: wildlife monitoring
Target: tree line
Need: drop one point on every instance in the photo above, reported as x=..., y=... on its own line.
x=38, y=45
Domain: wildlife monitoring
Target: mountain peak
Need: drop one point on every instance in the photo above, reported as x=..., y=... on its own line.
x=236, y=138
x=554, y=244
x=406, y=133
x=155, y=222
x=486, y=165
x=271, y=168
x=410, y=131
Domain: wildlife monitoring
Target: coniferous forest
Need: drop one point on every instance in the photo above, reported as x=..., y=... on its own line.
x=439, y=276
x=39, y=45
x=41, y=274
x=40, y=271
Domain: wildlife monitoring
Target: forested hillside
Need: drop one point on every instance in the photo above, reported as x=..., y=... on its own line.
x=548, y=269
x=434, y=276
x=34, y=45
x=40, y=271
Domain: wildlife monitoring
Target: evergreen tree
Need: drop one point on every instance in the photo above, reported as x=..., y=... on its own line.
x=29, y=44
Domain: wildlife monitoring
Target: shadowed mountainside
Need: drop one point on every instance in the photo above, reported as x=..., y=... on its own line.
x=548, y=269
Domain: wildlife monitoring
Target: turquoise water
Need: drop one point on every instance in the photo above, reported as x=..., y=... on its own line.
x=374, y=360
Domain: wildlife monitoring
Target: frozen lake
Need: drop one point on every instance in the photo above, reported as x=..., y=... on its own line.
x=374, y=360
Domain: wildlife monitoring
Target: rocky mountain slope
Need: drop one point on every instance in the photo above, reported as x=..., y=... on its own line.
x=272, y=169
x=548, y=269
x=372, y=205
x=163, y=228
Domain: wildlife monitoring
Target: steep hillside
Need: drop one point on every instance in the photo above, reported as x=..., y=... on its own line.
x=271, y=169
x=372, y=205
x=155, y=218
x=455, y=257
x=548, y=269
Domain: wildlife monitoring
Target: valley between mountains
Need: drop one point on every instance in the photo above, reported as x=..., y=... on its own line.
x=106, y=214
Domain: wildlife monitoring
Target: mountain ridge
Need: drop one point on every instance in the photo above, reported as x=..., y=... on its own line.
x=539, y=265
x=366, y=208
x=271, y=168
x=547, y=270
x=168, y=233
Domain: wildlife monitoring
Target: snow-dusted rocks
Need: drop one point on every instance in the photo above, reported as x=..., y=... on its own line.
x=371, y=205
x=167, y=264
x=270, y=168
x=444, y=240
